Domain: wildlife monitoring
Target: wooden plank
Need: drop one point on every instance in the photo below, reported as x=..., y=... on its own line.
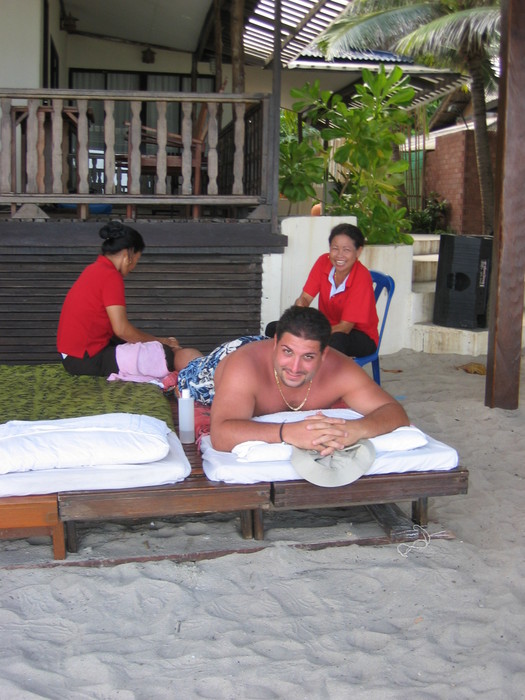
x=380, y=488
x=30, y=155
x=5, y=153
x=162, y=139
x=394, y=522
x=134, y=140
x=24, y=516
x=57, y=134
x=82, y=148
x=187, y=129
x=191, y=496
x=40, y=155
x=109, y=141
x=213, y=139
x=238, y=158
x=506, y=298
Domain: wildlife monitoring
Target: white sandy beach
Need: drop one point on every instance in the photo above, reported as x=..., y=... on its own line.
x=431, y=622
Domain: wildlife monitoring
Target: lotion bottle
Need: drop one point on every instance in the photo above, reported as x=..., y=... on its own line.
x=186, y=417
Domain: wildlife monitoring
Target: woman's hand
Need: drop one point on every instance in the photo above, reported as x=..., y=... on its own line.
x=171, y=342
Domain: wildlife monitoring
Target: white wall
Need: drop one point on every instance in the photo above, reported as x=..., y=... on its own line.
x=21, y=43
x=260, y=80
x=284, y=275
x=98, y=54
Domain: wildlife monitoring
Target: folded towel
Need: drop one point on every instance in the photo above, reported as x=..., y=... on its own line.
x=140, y=362
x=404, y=438
x=408, y=437
x=259, y=451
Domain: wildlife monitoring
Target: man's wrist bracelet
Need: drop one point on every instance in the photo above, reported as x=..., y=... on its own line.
x=281, y=439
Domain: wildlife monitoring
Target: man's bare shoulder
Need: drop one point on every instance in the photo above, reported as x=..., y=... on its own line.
x=335, y=361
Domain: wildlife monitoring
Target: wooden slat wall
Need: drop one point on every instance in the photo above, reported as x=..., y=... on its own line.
x=202, y=299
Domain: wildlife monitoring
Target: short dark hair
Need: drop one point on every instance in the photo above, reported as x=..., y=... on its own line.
x=119, y=237
x=304, y=322
x=349, y=230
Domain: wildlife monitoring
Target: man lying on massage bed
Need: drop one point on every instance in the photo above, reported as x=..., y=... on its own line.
x=293, y=371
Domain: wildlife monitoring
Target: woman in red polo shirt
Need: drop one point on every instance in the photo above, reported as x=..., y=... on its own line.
x=346, y=293
x=93, y=320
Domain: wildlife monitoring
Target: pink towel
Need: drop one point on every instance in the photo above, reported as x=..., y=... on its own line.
x=140, y=362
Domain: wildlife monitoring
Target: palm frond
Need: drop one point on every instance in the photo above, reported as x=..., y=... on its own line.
x=475, y=30
x=377, y=30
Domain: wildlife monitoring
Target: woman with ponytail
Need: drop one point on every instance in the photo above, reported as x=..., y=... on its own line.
x=93, y=321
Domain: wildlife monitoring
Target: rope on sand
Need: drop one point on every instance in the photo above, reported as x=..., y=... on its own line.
x=404, y=548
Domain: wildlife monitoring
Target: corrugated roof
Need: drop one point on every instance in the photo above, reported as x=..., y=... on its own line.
x=302, y=21
x=354, y=55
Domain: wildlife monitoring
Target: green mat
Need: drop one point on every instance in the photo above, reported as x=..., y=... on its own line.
x=45, y=392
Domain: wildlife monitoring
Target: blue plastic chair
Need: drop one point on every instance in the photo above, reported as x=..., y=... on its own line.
x=381, y=281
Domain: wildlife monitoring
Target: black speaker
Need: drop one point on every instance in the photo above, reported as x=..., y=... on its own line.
x=462, y=283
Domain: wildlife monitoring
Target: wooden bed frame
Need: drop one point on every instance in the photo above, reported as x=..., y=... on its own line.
x=56, y=515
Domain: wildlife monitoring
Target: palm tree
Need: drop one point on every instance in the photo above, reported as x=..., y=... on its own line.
x=459, y=34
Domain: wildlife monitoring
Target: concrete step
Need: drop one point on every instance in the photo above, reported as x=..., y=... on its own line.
x=426, y=337
x=422, y=301
x=426, y=243
x=424, y=267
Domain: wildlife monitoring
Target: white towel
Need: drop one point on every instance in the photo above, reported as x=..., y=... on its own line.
x=403, y=450
x=259, y=451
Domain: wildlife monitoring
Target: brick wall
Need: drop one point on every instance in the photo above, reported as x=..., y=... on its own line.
x=452, y=172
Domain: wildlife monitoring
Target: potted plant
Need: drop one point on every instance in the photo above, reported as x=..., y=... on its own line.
x=432, y=218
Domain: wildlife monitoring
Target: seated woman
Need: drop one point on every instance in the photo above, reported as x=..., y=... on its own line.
x=93, y=320
x=346, y=293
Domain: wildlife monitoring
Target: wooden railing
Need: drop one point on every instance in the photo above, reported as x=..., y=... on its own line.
x=68, y=147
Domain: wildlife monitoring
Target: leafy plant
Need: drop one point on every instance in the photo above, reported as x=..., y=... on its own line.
x=432, y=217
x=363, y=138
x=461, y=35
x=300, y=167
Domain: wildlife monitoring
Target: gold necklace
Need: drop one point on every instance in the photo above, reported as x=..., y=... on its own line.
x=292, y=408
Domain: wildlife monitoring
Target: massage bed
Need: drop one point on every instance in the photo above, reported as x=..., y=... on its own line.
x=52, y=500
x=409, y=466
x=84, y=449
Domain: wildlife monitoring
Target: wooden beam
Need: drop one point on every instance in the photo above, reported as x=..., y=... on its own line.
x=506, y=303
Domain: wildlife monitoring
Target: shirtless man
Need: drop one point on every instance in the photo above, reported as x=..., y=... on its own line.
x=297, y=370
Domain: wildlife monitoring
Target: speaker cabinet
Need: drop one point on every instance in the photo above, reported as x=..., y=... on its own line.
x=462, y=283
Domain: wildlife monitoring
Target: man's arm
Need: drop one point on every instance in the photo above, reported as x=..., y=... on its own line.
x=126, y=331
x=234, y=403
x=381, y=413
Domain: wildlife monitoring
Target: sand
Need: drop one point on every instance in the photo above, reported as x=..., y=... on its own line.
x=441, y=619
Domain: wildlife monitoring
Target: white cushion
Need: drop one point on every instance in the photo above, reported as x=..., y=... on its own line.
x=106, y=439
x=170, y=470
x=402, y=450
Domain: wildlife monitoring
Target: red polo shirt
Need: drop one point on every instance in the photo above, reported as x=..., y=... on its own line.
x=356, y=304
x=84, y=324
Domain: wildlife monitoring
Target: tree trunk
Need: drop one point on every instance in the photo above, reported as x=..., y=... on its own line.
x=237, y=26
x=481, y=138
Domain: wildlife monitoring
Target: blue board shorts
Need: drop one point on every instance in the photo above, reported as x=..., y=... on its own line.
x=198, y=375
